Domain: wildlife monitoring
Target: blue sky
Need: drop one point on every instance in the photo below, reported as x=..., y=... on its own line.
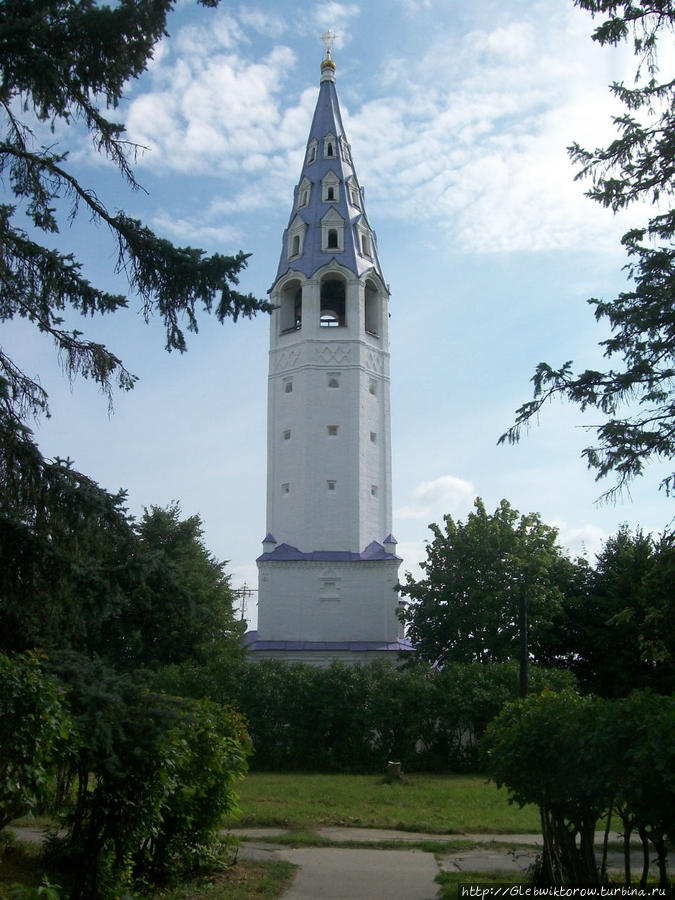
x=458, y=114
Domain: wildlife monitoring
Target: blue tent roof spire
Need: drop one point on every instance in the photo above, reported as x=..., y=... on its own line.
x=328, y=197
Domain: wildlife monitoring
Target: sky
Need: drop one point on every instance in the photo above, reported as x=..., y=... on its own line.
x=459, y=113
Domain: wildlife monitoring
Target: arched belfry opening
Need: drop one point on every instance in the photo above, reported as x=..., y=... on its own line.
x=372, y=309
x=290, y=307
x=333, y=303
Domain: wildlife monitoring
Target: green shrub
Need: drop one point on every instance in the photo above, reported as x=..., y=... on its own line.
x=154, y=778
x=581, y=758
x=35, y=731
x=355, y=718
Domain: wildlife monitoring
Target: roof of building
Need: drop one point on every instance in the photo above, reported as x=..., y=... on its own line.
x=286, y=552
x=331, y=154
x=251, y=642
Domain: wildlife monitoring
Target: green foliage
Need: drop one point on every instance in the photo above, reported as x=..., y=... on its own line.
x=36, y=731
x=62, y=60
x=153, y=779
x=635, y=396
x=476, y=576
x=619, y=635
x=45, y=891
x=356, y=718
x=535, y=747
x=183, y=609
x=579, y=758
x=67, y=555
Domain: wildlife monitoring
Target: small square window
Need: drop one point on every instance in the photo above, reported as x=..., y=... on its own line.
x=288, y=387
x=373, y=437
x=372, y=386
x=287, y=434
x=332, y=430
x=373, y=490
x=333, y=382
x=331, y=484
x=329, y=589
x=285, y=488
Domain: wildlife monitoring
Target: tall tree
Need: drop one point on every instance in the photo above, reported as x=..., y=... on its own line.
x=182, y=610
x=477, y=576
x=620, y=636
x=636, y=392
x=64, y=65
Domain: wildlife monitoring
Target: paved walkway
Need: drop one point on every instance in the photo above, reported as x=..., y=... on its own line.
x=358, y=873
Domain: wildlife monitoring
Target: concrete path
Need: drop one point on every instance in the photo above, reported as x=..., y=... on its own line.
x=345, y=874
x=358, y=873
x=363, y=873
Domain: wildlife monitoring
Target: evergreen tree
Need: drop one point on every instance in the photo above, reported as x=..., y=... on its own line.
x=620, y=635
x=635, y=392
x=182, y=610
x=64, y=63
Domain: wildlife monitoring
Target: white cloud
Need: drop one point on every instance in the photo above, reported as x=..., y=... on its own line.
x=584, y=540
x=482, y=150
x=263, y=22
x=433, y=499
x=336, y=16
x=479, y=153
x=412, y=553
x=211, y=113
x=197, y=233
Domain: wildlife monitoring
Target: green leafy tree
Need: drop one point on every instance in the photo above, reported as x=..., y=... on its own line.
x=153, y=776
x=68, y=557
x=544, y=750
x=635, y=393
x=583, y=758
x=477, y=575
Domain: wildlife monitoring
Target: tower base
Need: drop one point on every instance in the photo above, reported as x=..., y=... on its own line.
x=324, y=605
x=323, y=653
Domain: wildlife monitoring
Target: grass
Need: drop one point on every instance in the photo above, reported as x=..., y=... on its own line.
x=246, y=879
x=312, y=839
x=442, y=804
x=450, y=881
x=20, y=864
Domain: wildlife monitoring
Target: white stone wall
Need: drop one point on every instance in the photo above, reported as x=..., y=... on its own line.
x=328, y=601
x=303, y=509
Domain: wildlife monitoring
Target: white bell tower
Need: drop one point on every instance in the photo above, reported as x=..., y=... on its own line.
x=329, y=568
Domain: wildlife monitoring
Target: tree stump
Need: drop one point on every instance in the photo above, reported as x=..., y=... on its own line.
x=394, y=771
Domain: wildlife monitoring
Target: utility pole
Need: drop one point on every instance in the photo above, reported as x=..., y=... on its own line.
x=524, y=652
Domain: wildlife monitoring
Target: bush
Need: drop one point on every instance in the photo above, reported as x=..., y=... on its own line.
x=154, y=778
x=580, y=758
x=36, y=732
x=356, y=718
